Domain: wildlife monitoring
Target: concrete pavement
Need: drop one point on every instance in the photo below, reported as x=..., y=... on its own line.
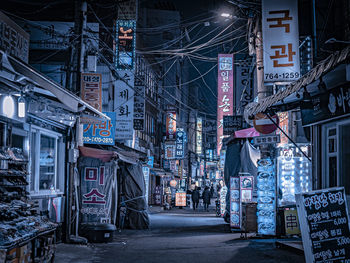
x=178, y=238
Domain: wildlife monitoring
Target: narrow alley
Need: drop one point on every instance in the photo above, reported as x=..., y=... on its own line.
x=178, y=235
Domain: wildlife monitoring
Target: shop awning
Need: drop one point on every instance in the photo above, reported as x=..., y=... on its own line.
x=24, y=71
x=246, y=133
x=325, y=66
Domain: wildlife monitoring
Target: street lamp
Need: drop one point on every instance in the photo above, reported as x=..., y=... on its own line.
x=226, y=15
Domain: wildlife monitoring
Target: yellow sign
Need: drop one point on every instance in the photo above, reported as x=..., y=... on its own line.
x=291, y=222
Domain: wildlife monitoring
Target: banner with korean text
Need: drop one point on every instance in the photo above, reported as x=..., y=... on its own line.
x=98, y=190
x=199, y=140
x=225, y=94
x=280, y=40
x=124, y=105
x=102, y=133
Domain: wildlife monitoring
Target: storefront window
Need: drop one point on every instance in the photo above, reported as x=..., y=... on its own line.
x=47, y=163
x=345, y=156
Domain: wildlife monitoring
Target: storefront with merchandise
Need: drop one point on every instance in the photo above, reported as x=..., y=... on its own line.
x=37, y=119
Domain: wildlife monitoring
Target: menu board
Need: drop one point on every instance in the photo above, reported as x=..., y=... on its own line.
x=324, y=221
x=235, y=216
x=180, y=199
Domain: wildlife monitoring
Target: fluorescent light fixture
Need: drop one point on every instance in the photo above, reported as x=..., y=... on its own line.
x=21, y=107
x=8, y=106
x=227, y=15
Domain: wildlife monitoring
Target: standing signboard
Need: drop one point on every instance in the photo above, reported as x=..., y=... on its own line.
x=91, y=89
x=235, y=206
x=280, y=40
x=266, y=209
x=225, y=94
x=139, y=108
x=247, y=183
x=180, y=199
x=324, y=220
x=223, y=192
x=102, y=133
x=124, y=105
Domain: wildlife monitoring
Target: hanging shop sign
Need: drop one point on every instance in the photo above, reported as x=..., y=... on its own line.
x=247, y=184
x=266, y=211
x=268, y=139
x=199, y=141
x=284, y=125
x=124, y=105
x=180, y=143
x=201, y=168
x=173, y=165
x=280, y=40
x=166, y=164
x=232, y=124
x=225, y=94
x=235, y=205
x=146, y=172
x=244, y=84
x=180, y=199
x=169, y=150
x=291, y=222
x=139, y=108
x=126, y=43
x=97, y=183
x=324, y=221
x=14, y=41
x=180, y=169
x=91, y=89
x=103, y=133
x=171, y=125
x=150, y=161
x=333, y=103
x=263, y=124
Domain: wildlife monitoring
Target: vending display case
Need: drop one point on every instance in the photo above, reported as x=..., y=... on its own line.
x=293, y=173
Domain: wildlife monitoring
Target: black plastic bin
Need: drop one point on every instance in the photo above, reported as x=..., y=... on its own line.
x=97, y=232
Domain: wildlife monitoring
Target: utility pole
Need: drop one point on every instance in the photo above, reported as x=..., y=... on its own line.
x=74, y=69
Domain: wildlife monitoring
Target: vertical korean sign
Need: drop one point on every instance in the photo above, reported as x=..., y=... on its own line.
x=102, y=133
x=139, y=108
x=225, y=94
x=199, y=141
x=91, y=89
x=171, y=124
x=280, y=40
x=124, y=105
x=180, y=143
x=125, y=49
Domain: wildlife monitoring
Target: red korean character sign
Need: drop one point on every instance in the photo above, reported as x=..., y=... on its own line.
x=280, y=40
x=225, y=94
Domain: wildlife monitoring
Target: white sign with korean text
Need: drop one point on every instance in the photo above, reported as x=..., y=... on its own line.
x=280, y=40
x=124, y=105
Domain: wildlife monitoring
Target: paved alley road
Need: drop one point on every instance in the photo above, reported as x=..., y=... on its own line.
x=178, y=238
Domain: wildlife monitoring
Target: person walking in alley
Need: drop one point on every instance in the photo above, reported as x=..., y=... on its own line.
x=206, y=198
x=195, y=198
x=211, y=190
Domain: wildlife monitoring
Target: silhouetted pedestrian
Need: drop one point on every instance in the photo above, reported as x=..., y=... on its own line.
x=206, y=198
x=195, y=198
